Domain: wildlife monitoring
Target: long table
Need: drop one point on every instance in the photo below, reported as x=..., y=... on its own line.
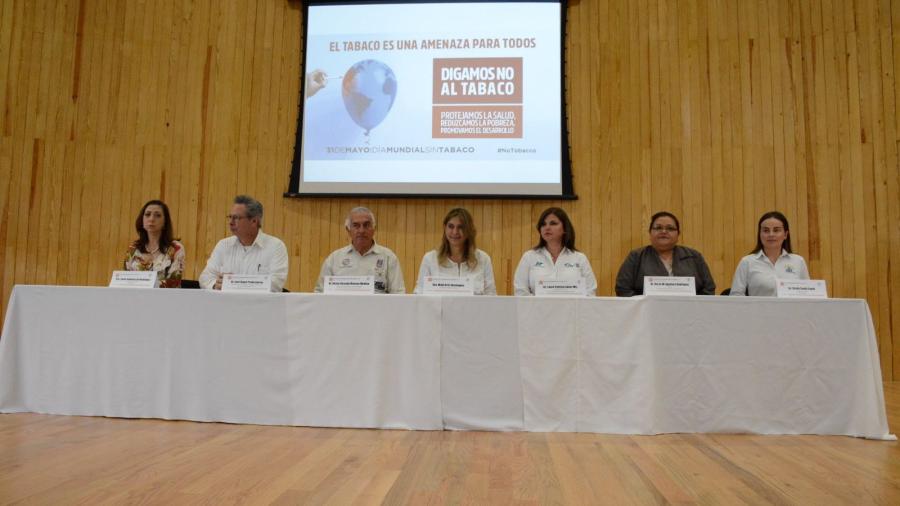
x=644, y=365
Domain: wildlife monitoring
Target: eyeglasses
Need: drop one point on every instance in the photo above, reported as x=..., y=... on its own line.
x=365, y=225
x=659, y=228
x=234, y=217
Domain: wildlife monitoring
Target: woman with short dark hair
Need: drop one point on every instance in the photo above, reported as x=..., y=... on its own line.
x=663, y=257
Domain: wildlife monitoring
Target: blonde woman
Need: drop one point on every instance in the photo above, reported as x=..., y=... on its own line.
x=457, y=256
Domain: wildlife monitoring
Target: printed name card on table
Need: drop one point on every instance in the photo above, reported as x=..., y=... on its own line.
x=246, y=283
x=669, y=285
x=353, y=285
x=448, y=286
x=134, y=279
x=793, y=288
x=559, y=288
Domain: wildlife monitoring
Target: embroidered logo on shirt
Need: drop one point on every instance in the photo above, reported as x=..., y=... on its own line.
x=539, y=263
x=789, y=269
x=570, y=264
x=379, y=264
x=345, y=262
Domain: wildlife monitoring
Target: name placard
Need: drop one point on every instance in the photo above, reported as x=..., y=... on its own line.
x=793, y=288
x=669, y=285
x=246, y=283
x=134, y=279
x=351, y=285
x=447, y=286
x=559, y=288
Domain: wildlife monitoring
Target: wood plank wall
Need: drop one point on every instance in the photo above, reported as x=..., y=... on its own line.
x=716, y=110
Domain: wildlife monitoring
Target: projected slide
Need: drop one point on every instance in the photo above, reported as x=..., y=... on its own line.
x=437, y=98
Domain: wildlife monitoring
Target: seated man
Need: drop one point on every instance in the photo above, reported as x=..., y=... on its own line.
x=363, y=257
x=248, y=251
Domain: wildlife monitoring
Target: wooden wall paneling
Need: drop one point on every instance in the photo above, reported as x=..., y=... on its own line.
x=870, y=57
x=893, y=176
x=830, y=163
x=819, y=253
x=6, y=176
x=746, y=55
x=845, y=148
x=878, y=296
x=720, y=224
x=594, y=231
x=768, y=168
x=22, y=75
x=865, y=56
x=794, y=104
x=9, y=37
x=886, y=159
x=8, y=40
x=634, y=161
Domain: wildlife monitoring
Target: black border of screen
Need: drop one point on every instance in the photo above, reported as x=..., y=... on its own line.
x=568, y=191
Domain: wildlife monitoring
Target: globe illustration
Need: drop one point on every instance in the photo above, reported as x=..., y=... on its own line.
x=369, y=89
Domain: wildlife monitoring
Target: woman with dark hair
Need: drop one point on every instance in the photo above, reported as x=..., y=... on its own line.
x=554, y=256
x=155, y=249
x=770, y=260
x=457, y=256
x=663, y=257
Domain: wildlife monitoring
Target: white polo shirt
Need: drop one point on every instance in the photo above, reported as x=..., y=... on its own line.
x=538, y=264
x=379, y=262
x=756, y=275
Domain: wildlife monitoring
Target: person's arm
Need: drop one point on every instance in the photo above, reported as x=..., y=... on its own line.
x=490, y=288
x=804, y=271
x=625, y=278
x=740, y=279
x=587, y=274
x=395, y=276
x=325, y=271
x=707, y=284
x=213, y=269
x=424, y=270
x=278, y=266
x=521, y=281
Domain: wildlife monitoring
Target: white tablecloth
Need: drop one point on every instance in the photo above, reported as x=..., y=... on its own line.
x=629, y=366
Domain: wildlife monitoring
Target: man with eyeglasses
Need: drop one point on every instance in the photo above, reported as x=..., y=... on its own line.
x=248, y=251
x=363, y=257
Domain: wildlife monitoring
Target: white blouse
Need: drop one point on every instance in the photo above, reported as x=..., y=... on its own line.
x=482, y=274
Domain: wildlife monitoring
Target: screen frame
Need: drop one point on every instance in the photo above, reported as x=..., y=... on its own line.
x=567, y=188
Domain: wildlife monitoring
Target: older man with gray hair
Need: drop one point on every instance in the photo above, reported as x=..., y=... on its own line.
x=248, y=251
x=363, y=257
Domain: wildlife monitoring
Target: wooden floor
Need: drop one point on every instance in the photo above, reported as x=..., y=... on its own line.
x=64, y=460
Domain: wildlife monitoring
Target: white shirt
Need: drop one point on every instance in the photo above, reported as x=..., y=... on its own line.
x=756, y=275
x=267, y=255
x=538, y=264
x=482, y=274
x=379, y=262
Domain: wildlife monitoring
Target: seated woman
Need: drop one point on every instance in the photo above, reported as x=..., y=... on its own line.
x=458, y=257
x=663, y=257
x=554, y=256
x=772, y=259
x=155, y=249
